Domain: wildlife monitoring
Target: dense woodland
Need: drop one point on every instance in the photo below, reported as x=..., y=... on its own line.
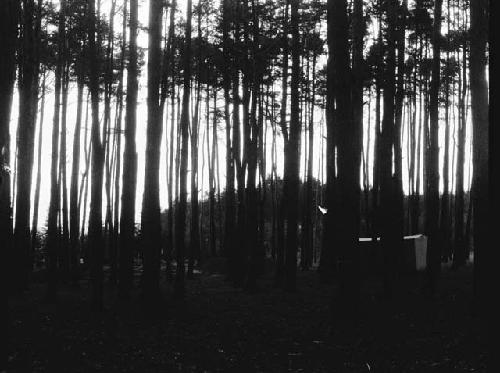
x=288, y=129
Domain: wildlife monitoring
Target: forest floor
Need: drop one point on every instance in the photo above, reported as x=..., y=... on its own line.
x=218, y=328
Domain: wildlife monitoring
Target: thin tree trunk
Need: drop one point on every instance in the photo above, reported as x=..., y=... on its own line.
x=445, y=198
x=53, y=240
x=118, y=136
x=211, y=175
x=65, y=255
x=227, y=73
x=183, y=164
x=169, y=70
x=36, y=200
x=280, y=252
x=292, y=156
x=194, y=242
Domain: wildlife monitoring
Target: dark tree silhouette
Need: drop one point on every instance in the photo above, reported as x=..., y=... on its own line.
x=127, y=216
x=480, y=138
x=96, y=241
x=432, y=197
x=184, y=128
x=150, y=223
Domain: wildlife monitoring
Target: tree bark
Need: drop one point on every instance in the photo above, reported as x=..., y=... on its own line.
x=349, y=160
x=480, y=120
x=36, y=200
x=95, y=239
x=53, y=239
x=129, y=183
x=150, y=223
x=184, y=128
x=292, y=157
x=432, y=198
x=28, y=96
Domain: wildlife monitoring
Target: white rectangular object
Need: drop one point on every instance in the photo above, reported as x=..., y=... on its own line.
x=419, y=247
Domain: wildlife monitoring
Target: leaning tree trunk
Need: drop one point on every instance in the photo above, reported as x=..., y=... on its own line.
x=108, y=91
x=118, y=137
x=74, y=220
x=36, y=201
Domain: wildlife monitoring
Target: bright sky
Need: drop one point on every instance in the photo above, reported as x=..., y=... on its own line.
x=141, y=135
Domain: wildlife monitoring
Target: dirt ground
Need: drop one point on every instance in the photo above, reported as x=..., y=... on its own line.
x=218, y=328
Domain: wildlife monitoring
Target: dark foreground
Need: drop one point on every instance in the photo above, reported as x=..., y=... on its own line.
x=222, y=329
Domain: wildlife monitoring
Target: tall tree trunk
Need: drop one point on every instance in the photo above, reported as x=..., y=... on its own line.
x=230, y=210
x=480, y=190
x=349, y=160
x=170, y=215
x=9, y=19
x=292, y=157
x=169, y=70
x=307, y=248
x=391, y=233
x=183, y=166
x=64, y=247
x=460, y=245
x=74, y=222
x=118, y=137
x=251, y=224
x=36, y=200
x=108, y=91
x=328, y=249
x=399, y=215
x=432, y=198
x=83, y=194
x=150, y=223
x=211, y=174
x=280, y=252
x=95, y=238
x=194, y=242
x=53, y=240
x=445, y=222
x=129, y=184
x=28, y=96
